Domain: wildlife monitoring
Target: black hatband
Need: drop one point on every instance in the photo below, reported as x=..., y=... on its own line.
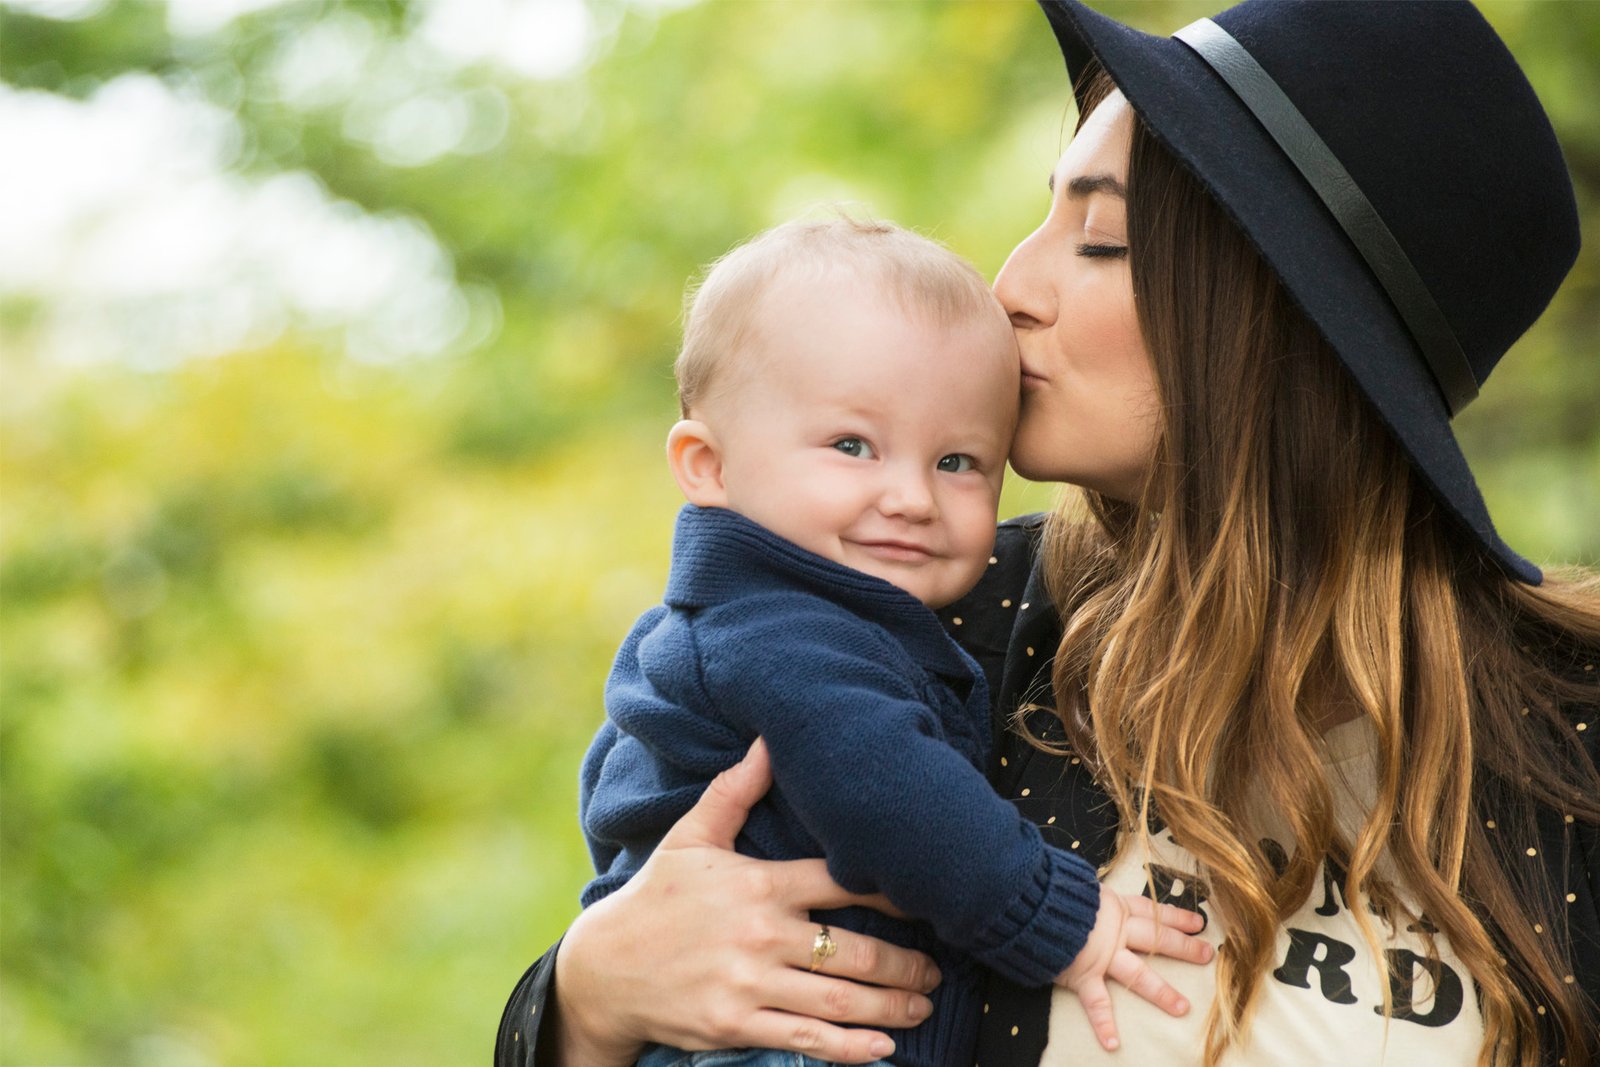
x=1349, y=205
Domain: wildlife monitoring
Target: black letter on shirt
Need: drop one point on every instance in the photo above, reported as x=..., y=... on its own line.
x=1276, y=856
x=1302, y=956
x=1403, y=986
x=1162, y=888
x=1333, y=879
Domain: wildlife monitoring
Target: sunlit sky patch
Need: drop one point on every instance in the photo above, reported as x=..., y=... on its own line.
x=532, y=38
x=138, y=243
x=125, y=224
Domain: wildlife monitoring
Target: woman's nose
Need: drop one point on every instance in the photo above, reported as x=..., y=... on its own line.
x=1023, y=285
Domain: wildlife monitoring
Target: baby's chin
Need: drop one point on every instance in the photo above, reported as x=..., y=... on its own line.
x=934, y=590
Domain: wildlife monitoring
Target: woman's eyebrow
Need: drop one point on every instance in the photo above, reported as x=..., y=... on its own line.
x=1087, y=184
x=1084, y=185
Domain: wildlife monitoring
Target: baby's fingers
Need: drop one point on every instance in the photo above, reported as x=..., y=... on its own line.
x=1144, y=935
x=1131, y=970
x=1096, y=1001
x=1190, y=921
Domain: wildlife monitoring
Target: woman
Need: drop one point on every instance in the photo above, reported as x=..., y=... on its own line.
x=1330, y=707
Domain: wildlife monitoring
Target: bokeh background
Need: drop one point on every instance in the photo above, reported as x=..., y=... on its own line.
x=336, y=347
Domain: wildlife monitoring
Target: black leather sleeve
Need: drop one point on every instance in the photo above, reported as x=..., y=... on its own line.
x=523, y=1022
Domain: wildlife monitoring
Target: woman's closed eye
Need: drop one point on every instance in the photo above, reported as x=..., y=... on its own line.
x=855, y=446
x=1102, y=251
x=957, y=463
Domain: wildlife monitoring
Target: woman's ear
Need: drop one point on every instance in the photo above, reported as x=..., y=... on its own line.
x=695, y=457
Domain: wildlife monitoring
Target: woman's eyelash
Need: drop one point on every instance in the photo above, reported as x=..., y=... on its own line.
x=1103, y=251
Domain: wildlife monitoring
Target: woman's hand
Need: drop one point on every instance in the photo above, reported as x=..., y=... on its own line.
x=705, y=948
x=1125, y=929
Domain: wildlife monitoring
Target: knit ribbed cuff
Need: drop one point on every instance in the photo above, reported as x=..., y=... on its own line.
x=1040, y=932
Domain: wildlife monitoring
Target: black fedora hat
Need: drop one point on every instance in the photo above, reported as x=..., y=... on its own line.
x=1392, y=165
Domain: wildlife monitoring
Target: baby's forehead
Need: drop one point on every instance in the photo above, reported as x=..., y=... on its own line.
x=844, y=289
x=871, y=315
x=866, y=345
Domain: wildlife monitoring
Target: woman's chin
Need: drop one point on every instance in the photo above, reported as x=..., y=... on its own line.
x=1029, y=464
x=1123, y=489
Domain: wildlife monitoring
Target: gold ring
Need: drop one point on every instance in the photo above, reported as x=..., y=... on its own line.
x=822, y=948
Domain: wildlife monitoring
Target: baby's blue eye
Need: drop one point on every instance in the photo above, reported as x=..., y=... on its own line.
x=956, y=463
x=854, y=446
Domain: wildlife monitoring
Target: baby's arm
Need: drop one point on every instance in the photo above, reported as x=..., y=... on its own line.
x=861, y=759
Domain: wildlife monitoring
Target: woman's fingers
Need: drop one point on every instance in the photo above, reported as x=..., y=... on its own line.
x=819, y=1040
x=862, y=959
x=1130, y=969
x=1145, y=935
x=807, y=885
x=838, y=1000
x=879, y=902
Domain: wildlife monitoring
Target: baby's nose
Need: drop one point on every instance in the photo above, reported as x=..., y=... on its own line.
x=909, y=496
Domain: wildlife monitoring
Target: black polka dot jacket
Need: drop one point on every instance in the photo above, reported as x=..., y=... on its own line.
x=1006, y=623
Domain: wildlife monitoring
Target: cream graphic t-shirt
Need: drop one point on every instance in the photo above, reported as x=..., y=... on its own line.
x=1322, y=1002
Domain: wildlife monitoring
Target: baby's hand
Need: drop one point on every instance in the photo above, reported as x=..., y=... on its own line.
x=1124, y=930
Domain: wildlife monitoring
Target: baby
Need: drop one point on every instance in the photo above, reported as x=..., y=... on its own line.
x=849, y=392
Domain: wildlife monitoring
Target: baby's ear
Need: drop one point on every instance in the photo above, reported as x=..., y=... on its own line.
x=695, y=457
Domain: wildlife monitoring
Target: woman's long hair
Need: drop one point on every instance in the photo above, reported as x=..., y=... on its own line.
x=1285, y=563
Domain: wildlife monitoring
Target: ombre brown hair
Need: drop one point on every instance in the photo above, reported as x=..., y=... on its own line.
x=1286, y=567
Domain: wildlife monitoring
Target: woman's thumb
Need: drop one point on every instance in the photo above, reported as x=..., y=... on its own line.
x=719, y=814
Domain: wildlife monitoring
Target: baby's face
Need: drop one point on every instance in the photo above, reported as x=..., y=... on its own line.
x=871, y=436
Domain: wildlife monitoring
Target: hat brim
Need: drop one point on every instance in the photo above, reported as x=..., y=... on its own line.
x=1196, y=117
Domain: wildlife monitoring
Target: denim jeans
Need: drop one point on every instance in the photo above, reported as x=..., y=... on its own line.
x=662, y=1056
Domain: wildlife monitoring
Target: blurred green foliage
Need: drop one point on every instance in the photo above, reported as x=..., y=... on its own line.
x=300, y=654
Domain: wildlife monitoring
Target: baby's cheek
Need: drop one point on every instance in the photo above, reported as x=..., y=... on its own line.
x=982, y=512
x=970, y=567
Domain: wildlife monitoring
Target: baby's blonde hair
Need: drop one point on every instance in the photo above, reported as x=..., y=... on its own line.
x=921, y=275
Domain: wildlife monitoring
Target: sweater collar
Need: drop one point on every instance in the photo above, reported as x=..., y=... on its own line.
x=718, y=555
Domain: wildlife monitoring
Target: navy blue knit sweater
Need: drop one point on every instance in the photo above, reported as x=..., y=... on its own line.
x=877, y=723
